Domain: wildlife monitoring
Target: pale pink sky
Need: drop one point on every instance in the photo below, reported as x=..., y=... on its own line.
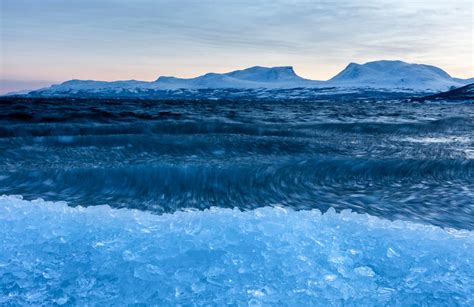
x=52, y=41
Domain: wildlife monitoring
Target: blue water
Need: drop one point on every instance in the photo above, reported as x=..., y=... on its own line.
x=267, y=169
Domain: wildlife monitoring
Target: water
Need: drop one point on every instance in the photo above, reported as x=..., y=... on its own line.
x=391, y=159
x=267, y=170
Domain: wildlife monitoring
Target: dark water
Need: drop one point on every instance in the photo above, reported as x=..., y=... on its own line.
x=397, y=160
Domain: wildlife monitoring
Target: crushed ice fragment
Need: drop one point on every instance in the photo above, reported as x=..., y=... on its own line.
x=268, y=256
x=364, y=271
x=392, y=253
x=330, y=277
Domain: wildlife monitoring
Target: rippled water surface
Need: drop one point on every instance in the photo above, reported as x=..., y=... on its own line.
x=396, y=160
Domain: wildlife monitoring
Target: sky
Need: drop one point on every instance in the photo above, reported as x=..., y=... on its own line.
x=50, y=41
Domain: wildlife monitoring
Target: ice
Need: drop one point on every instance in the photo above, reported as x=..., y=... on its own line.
x=51, y=253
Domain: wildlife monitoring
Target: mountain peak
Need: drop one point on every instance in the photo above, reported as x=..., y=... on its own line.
x=265, y=74
x=393, y=74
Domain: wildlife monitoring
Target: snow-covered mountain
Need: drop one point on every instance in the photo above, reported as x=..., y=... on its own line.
x=386, y=75
x=395, y=75
x=250, y=78
x=253, y=77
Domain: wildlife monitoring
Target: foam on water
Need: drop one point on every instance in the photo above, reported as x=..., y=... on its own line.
x=438, y=140
x=53, y=253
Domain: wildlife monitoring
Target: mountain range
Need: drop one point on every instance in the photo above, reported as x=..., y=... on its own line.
x=386, y=75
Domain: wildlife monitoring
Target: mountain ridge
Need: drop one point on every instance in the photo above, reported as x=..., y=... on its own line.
x=394, y=74
x=383, y=74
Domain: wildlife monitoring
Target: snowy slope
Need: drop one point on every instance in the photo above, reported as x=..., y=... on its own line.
x=253, y=77
x=395, y=74
x=264, y=74
x=464, y=81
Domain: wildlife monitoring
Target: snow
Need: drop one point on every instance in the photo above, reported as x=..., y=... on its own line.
x=464, y=81
x=394, y=74
x=55, y=254
x=253, y=77
x=265, y=74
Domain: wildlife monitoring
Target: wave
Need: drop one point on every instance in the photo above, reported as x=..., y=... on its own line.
x=440, y=125
x=221, y=256
x=391, y=188
x=171, y=123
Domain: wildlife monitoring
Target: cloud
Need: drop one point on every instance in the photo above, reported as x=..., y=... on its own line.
x=138, y=39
